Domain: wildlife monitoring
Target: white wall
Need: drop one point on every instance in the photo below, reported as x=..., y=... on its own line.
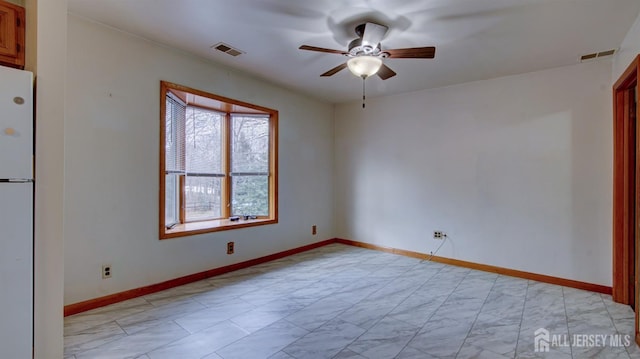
x=517, y=170
x=111, y=164
x=51, y=22
x=629, y=50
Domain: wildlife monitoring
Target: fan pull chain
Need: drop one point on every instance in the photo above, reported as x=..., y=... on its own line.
x=363, y=95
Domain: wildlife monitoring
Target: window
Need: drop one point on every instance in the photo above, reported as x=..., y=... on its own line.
x=218, y=160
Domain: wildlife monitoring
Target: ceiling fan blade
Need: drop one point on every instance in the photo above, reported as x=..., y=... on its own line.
x=413, y=53
x=335, y=70
x=373, y=34
x=385, y=72
x=322, y=49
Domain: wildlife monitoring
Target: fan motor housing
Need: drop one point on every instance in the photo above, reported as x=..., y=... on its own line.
x=357, y=48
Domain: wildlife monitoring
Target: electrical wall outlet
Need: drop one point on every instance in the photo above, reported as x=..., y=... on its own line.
x=438, y=234
x=106, y=271
x=314, y=230
x=230, y=248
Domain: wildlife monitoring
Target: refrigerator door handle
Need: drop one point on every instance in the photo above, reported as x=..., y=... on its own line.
x=15, y=180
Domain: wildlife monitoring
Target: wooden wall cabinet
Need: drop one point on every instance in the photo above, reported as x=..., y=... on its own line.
x=12, y=31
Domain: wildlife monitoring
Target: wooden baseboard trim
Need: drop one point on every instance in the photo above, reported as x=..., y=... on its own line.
x=138, y=292
x=84, y=306
x=485, y=267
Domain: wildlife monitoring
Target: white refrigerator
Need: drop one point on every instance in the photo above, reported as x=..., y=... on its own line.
x=16, y=213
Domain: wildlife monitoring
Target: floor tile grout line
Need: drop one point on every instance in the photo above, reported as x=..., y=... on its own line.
x=609, y=314
x=152, y=307
x=114, y=339
x=404, y=267
x=435, y=311
x=226, y=320
x=235, y=341
x=436, y=308
x=566, y=317
x=390, y=282
x=613, y=321
x=173, y=341
x=183, y=328
x=108, y=320
x=366, y=330
x=477, y=314
x=173, y=320
x=324, y=297
x=524, y=305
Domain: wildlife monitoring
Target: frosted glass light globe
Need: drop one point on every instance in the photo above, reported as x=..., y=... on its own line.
x=364, y=65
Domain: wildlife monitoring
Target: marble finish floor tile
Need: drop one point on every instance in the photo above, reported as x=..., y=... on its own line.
x=152, y=317
x=417, y=309
x=200, y=344
x=92, y=338
x=318, y=313
x=136, y=345
x=385, y=339
x=281, y=355
x=89, y=319
x=267, y=314
x=473, y=352
x=367, y=313
x=494, y=338
x=176, y=294
x=348, y=354
x=441, y=338
x=201, y=319
x=344, y=302
x=412, y=353
x=357, y=291
x=326, y=341
x=264, y=343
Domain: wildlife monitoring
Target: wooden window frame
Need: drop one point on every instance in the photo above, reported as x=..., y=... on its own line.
x=229, y=107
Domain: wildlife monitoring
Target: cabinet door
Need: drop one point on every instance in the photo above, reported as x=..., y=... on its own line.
x=11, y=35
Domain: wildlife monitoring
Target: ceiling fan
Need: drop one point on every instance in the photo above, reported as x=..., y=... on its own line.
x=365, y=53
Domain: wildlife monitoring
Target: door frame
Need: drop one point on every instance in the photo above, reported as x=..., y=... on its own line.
x=625, y=195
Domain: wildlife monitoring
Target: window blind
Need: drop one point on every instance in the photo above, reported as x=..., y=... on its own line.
x=174, y=135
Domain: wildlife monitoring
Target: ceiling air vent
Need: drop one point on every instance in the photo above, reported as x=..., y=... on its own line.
x=597, y=55
x=227, y=49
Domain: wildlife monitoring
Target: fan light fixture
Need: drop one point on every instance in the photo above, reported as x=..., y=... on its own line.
x=364, y=66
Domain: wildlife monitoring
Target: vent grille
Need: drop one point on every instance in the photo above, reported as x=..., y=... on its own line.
x=227, y=49
x=597, y=55
x=606, y=53
x=233, y=52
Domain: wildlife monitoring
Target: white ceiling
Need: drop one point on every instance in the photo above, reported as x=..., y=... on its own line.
x=475, y=39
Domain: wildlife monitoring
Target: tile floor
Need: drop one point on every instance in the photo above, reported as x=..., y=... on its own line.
x=345, y=302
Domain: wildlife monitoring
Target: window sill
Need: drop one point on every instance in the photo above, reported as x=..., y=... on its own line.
x=189, y=229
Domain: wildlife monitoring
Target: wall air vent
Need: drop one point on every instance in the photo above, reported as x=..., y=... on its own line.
x=597, y=55
x=227, y=49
